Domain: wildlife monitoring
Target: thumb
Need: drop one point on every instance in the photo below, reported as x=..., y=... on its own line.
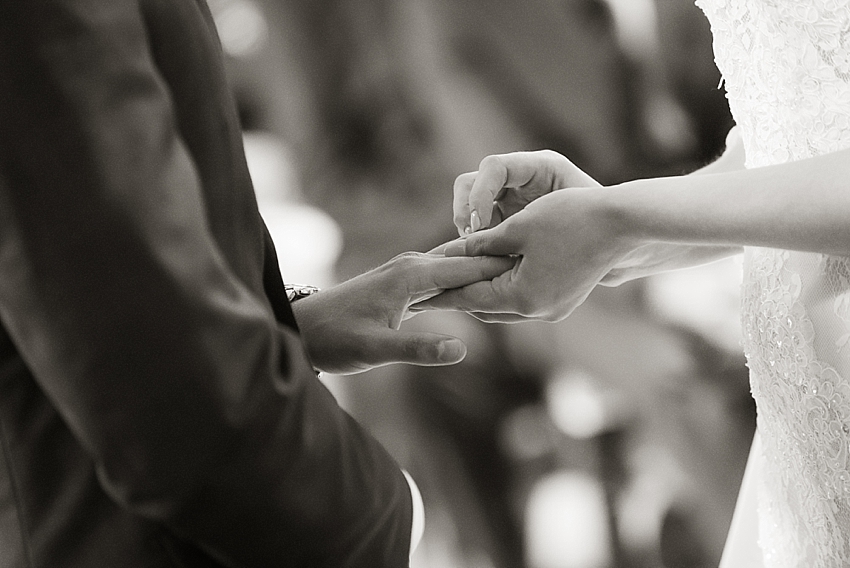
x=489, y=242
x=421, y=348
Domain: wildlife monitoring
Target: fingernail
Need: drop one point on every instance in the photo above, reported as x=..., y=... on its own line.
x=451, y=351
x=474, y=221
x=455, y=248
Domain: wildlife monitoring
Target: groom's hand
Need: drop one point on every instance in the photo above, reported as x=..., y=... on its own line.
x=504, y=184
x=354, y=326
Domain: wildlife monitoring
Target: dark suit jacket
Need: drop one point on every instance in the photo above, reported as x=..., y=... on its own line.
x=153, y=410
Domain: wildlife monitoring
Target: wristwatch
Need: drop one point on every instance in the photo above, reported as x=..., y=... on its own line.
x=298, y=291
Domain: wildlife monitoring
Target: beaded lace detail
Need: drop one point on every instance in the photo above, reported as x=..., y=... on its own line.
x=786, y=67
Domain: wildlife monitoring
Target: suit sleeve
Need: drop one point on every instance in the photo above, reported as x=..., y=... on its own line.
x=199, y=411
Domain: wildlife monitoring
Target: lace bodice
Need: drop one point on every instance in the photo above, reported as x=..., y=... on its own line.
x=786, y=67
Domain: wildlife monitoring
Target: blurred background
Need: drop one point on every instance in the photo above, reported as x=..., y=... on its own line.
x=614, y=439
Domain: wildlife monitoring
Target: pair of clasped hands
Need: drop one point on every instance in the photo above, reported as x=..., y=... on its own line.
x=532, y=246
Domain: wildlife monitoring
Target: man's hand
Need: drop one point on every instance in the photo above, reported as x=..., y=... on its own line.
x=504, y=184
x=354, y=326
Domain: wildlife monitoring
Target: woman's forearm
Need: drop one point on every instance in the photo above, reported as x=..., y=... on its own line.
x=803, y=205
x=655, y=257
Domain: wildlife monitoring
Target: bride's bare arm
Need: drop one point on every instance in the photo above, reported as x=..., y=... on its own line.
x=568, y=240
x=656, y=257
x=802, y=205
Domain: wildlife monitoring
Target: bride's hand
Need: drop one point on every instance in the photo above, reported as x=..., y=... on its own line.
x=567, y=242
x=504, y=184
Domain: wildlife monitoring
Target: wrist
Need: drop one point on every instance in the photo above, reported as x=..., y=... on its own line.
x=616, y=207
x=304, y=309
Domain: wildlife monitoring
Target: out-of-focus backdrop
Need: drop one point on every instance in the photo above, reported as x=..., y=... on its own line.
x=614, y=439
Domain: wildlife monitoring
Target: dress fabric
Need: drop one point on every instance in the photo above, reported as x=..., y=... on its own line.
x=786, y=68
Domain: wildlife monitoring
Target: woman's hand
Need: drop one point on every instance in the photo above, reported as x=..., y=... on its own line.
x=567, y=242
x=504, y=184
x=354, y=326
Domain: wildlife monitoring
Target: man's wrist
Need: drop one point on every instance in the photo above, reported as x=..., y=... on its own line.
x=294, y=293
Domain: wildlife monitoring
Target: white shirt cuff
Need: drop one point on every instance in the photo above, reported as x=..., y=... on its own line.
x=418, y=526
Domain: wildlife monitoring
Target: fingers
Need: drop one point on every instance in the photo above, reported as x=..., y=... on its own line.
x=440, y=250
x=443, y=273
x=500, y=241
x=418, y=348
x=477, y=298
x=482, y=316
x=501, y=172
x=460, y=205
x=491, y=177
x=513, y=180
x=497, y=213
x=475, y=192
x=499, y=318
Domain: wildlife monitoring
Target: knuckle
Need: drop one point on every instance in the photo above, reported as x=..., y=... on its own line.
x=407, y=259
x=463, y=181
x=555, y=161
x=492, y=162
x=409, y=264
x=511, y=229
x=474, y=247
x=549, y=154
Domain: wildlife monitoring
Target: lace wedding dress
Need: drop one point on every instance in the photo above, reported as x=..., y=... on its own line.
x=786, y=67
